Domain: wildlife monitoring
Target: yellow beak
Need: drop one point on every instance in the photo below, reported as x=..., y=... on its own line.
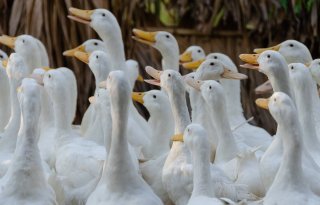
x=140, y=78
x=263, y=103
x=4, y=63
x=177, y=137
x=193, y=65
x=84, y=57
x=8, y=41
x=186, y=57
x=260, y=50
x=251, y=61
x=229, y=74
x=79, y=15
x=138, y=97
x=145, y=37
x=71, y=52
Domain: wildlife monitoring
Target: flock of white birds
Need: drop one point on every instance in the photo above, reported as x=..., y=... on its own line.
x=116, y=157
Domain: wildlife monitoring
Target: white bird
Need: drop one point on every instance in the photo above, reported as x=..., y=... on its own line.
x=315, y=70
x=30, y=48
x=5, y=104
x=25, y=181
x=119, y=182
x=289, y=185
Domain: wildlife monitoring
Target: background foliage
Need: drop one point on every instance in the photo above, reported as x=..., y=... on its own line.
x=231, y=27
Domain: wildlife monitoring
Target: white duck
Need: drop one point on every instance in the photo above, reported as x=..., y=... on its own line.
x=88, y=47
x=274, y=66
x=165, y=43
x=5, y=92
x=315, y=70
x=289, y=185
x=162, y=123
x=119, y=183
x=197, y=140
x=256, y=136
x=25, y=182
x=107, y=27
x=31, y=49
x=306, y=95
x=78, y=162
x=16, y=70
x=231, y=150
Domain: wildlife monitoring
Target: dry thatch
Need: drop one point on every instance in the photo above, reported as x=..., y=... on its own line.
x=231, y=27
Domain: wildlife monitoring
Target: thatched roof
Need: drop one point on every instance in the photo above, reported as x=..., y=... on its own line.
x=229, y=26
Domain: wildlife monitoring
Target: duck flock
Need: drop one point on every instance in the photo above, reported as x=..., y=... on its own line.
x=210, y=156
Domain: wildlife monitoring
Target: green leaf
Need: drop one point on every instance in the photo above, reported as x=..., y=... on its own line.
x=309, y=5
x=218, y=17
x=284, y=4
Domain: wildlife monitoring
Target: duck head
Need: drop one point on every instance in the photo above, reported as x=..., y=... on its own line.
x=16, y=68
x=196, y=138
x=88, y=46
x=299, y=74
x=154, y=100
x=192, y=53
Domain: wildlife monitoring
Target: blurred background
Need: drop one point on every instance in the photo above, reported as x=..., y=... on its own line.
x=231, y=27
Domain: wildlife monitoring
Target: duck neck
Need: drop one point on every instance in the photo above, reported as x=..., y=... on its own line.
x=14, y=121
x=5, y=105
x=170, y=60
x=61, y=115
x=119, y=166
x=113, y=41
x=162, y=126
x=26, y=166
x=201, y=173
x=280, y=82
x=290, y=171
x=227, y=148
x=305, y=106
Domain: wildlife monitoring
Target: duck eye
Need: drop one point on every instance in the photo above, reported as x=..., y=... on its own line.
x=199, y=51
x=188, y=130
x=1, y=56
x=97, y=57
x=291, y=45
x=95, y=43
x=215, y=57
x=210, y=87
x=23, y=40
x=167, y=36
x=98, y=95
x=292, y=67
x=268, y=56
x=154, y=96
x=192, y=77
x=275, y=99
x=212, y=63
x=169, y=75
x=49, y=76
x=103, y=14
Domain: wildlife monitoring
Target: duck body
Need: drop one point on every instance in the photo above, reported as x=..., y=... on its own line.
x=120, y=183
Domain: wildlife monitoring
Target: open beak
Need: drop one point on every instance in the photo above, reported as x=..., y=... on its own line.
x=71, y=52
x=265, y=88
x=263, y=103
x=79, y=15
x=145, y=37
x=274, y=48
x=140, y=78
x=196, y=84
x=155, y=74
x=92, y=99
x=83, y=56
x=193, y=65
x=230, y=74
x=186, y=57
x=8, y=41
x=4, y=63
x=138, y=97
x=177, y=137
x=251, y=61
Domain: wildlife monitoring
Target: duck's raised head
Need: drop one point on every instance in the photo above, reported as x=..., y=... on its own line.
x=53, y=81
x=293, y=51
x=88, y=46
x=29, y=97
x=268, y=62
x=118, y=86
x=192, y=53
x=163, y=41
x=133, y=71
x=212, y=69
x=101, y=20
